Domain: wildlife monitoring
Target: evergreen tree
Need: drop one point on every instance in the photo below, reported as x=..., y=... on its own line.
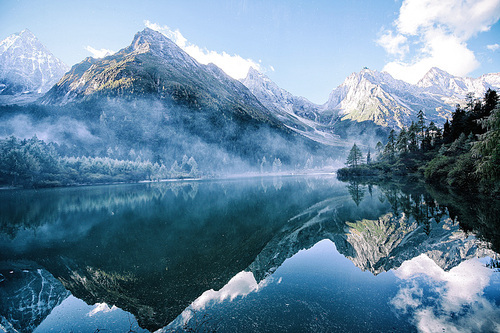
x=421, y=125
x=412, y=137
x=356, y=191
x=447, y=132
x=487, y=149
x=402, y=142
x=458, y=123
x=368, y=157
x=490, y=102
x=379, y=147
x=277, y=165
x=426, y=144
x=354, y=157
x=263, y=165
x=390, y=147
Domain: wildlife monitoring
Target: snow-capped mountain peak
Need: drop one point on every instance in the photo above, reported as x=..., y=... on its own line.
x=27, y=66
x=149, y=40
x=454, y=88
x=376, y=96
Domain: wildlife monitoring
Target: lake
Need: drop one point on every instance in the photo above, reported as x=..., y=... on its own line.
x=271, y=254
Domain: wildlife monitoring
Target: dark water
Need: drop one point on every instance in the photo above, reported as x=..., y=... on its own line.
x=289, y=254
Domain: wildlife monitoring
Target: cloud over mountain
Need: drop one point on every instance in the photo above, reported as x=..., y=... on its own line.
x=435, y=33
x=234, y=65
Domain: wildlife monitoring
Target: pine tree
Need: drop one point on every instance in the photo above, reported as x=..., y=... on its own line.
x=412, y=137
x=390, y=147
x=487, y=149
x=402, y=142
x=421, y=125
x=355, y=156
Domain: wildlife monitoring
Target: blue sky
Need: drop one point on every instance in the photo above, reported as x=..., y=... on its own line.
x=306, y=47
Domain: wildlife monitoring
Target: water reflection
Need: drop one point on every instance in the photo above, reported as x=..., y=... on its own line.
x=169, y=253
x=446, y=301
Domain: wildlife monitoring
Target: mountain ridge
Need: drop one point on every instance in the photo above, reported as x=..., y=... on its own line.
x=377, y=96
x=370, y=95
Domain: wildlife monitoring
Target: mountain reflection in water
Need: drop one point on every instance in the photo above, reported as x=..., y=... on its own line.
x=229, y=255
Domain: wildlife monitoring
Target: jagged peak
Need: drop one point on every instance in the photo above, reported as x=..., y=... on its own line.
x=253, y=71
x=435, y=71
x=367, y=74
x=254, y=75
x=151, y=39
x=27, y=33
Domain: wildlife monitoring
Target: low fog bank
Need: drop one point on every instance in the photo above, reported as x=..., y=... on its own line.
x=180, y=140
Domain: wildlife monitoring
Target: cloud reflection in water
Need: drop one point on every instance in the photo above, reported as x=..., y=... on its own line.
x=447, y=301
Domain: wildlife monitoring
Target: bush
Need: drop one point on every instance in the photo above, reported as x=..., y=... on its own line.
x=437, y=169
x=462, y=174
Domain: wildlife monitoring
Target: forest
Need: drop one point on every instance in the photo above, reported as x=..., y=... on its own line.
x=35, y=163
x=464, y=154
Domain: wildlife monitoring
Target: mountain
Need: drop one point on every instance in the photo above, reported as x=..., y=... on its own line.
x=368, y=97
x=308, y=119
x=152, y=96
x=154, y=66
x=27, y=296
x=297, y=113
x=375, y=243
x=27, y=66
x=378, y=97
x=454, y=89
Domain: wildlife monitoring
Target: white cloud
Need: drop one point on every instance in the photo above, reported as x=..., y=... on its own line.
x=457, y=304
x=435, y=34
x=493, y=47
x=234, y=65
x=463, y=18
x=395, y=45
x=99, y=53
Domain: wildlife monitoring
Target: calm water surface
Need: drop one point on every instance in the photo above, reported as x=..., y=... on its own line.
x=289, y=254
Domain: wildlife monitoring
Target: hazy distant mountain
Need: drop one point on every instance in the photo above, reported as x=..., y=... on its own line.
x=297, y=113
x=26, y=66
x=370, y=96
x=377, y=96
x=309, y=119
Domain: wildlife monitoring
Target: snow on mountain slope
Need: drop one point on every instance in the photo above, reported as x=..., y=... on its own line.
x=371, y=96
x=453, y=88
x=297, y=113
x=26, y=66
x=378, y=97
